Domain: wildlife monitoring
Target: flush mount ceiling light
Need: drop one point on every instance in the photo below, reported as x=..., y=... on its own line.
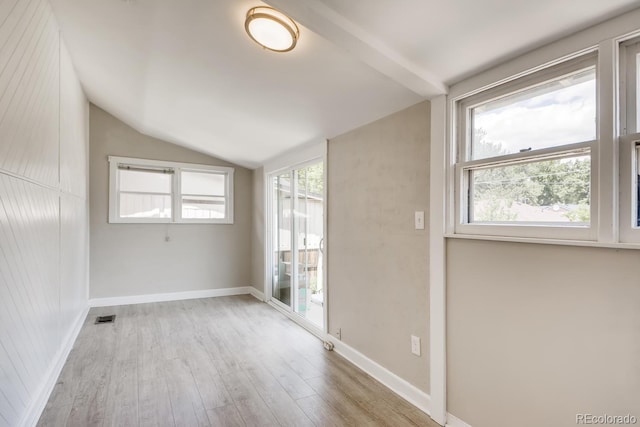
x=271, y=29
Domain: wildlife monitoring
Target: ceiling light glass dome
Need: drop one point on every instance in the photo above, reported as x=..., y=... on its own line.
x=271, y=29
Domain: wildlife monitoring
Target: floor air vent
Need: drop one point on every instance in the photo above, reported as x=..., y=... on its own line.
x=106, y=319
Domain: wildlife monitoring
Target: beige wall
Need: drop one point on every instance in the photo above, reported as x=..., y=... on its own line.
x=377, y=262
x=258, y=231
x=538, y=333
x=135, y=259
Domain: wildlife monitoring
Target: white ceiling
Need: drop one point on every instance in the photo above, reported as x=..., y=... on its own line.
x=186, y=72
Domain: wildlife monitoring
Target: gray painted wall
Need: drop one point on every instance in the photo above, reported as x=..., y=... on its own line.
x=377, y=262
x=538, y=333
x=258, y=231
x=135, y=259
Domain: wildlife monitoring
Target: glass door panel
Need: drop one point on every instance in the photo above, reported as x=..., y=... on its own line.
x=309, y=214
x=282, y=262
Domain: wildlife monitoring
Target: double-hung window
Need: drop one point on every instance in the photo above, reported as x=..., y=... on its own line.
x=524, y=155
x=151, y=191
x=630, y=141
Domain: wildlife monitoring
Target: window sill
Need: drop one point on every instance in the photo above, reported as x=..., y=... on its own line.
x=539, y=241
x=168, y=221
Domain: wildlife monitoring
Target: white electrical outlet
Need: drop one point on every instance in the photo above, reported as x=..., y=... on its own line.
x=415, y=345
x=419, y=220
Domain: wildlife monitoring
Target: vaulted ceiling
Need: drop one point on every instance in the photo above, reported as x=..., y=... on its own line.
x=186, y=72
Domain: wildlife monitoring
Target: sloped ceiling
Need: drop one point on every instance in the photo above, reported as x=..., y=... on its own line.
x=186, y=72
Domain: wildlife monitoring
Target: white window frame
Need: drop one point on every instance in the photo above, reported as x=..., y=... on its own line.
x=629, y=140
x=464, y=164
x=176, y=190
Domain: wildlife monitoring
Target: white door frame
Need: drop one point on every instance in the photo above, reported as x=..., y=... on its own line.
x=438, y=210
x=300, y=157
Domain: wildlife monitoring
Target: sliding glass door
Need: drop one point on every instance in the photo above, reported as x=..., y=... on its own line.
x=298, y=238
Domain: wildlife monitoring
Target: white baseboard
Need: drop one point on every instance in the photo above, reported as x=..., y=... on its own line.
x=34, y=411
x=408, y=391
x=453, y=421
x=173, y=296
x=256, y=293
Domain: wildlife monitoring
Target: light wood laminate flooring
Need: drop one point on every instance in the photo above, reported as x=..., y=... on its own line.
x=229, y=361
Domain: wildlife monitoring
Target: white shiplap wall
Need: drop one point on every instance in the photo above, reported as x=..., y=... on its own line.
x=43, y=207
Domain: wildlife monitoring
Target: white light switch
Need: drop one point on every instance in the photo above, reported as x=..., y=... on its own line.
x=419, y=220
x=415, y=345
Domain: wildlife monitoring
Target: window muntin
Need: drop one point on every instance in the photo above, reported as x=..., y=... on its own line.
x=159, y=191
x=512, y=152
x=557, y=112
